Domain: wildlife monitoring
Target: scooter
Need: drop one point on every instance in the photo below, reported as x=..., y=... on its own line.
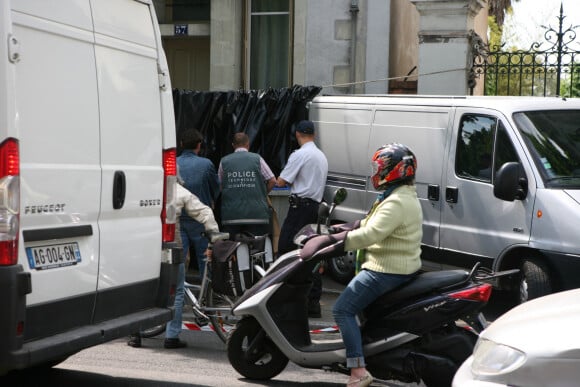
x=421, y=331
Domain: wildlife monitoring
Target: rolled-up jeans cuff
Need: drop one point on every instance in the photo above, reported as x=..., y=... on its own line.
x=355, y=362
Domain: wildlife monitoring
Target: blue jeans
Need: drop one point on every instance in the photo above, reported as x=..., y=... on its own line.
x=191, y=236
x=174, y=326
x=361, y=291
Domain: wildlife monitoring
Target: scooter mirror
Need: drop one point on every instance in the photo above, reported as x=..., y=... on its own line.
x=339, y=196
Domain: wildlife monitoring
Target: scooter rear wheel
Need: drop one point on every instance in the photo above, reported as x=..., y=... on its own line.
x=252, y=353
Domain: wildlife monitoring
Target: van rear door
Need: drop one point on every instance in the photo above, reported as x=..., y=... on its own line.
x=130, y=154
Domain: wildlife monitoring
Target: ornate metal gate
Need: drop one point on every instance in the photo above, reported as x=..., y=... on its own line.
x=548, y=68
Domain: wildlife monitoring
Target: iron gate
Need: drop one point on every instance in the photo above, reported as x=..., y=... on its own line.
x=548, y=68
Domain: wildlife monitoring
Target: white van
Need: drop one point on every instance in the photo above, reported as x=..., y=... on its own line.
x=498, y=178
x=87, y=174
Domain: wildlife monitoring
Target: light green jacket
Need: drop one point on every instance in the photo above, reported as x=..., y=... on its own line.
x=391, y=234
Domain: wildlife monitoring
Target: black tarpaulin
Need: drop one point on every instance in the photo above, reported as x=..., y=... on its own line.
x=268, y=118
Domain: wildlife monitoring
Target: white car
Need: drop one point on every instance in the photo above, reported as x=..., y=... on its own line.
x=534, y=344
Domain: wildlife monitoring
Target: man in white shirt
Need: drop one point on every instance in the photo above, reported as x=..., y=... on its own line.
x=305, y=173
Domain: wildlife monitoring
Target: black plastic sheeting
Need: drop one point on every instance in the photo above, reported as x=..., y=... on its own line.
x=268, y=117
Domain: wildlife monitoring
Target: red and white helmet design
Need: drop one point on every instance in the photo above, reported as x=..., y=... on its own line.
x=392, y=163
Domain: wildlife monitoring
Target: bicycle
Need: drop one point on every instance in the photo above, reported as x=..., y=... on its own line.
x=214, y=307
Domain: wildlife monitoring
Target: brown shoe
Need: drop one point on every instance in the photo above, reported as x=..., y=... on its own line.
x=174, y=343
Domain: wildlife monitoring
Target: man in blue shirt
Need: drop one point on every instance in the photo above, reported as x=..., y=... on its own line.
x=305, y=172
x=200, y=178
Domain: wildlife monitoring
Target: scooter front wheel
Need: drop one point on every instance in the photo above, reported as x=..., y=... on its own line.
x=252, y=353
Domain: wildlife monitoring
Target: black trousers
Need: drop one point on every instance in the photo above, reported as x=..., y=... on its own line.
x=299, y=215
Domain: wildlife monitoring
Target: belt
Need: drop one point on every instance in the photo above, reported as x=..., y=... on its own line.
x=296, y=201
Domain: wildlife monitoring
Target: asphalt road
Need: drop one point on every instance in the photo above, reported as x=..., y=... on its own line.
x=203, y=363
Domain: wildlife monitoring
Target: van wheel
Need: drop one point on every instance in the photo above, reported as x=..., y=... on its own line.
x=534, y=280
x=341, y=269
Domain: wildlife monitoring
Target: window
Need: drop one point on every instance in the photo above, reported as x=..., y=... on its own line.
x=190, y=10
x=553, y=139
x=483, y=146
x=475, y=147
x=268, y=55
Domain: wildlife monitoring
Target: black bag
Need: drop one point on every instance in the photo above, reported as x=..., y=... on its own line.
x=225, y=270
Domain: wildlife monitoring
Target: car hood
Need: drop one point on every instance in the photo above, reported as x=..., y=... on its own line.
x=546, y=326
x=574, y=194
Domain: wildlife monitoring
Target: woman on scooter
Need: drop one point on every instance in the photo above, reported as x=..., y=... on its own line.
x=388, y=241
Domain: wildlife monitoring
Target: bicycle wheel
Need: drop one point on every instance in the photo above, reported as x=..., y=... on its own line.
x=222, y=322
x=153, y=331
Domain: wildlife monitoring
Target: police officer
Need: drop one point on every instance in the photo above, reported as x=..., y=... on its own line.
x=305, y=173
x=245, y=180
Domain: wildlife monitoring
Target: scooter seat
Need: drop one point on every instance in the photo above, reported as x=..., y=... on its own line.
x=424, y=283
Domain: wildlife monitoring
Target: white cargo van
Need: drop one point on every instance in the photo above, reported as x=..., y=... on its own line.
x=87, y=174
x=498, y=178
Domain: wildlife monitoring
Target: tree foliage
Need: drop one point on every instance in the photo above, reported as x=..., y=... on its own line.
x=512, y=71
x=498, y=9
x=571, y=87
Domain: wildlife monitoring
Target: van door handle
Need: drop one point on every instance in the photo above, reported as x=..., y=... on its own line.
x=119, y=188
x=451, y=194
x=433, y=192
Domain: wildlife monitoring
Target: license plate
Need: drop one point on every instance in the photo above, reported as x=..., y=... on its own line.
x=50, y=257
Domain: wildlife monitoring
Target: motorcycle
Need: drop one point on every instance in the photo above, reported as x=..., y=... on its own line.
x=421, y=331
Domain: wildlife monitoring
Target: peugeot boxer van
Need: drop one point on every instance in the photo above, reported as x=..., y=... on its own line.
x=87, y=177
x=498, y=178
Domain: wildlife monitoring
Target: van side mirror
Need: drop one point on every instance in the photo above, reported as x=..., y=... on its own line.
x=510, y=183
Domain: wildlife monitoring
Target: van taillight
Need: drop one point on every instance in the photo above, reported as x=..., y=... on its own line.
x=479, y=293
x=9, y=201
x=168, y=214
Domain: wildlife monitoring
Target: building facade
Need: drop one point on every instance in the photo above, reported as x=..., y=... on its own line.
x=345, y=46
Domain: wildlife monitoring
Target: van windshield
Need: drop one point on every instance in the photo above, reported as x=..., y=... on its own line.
x=553, y=138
